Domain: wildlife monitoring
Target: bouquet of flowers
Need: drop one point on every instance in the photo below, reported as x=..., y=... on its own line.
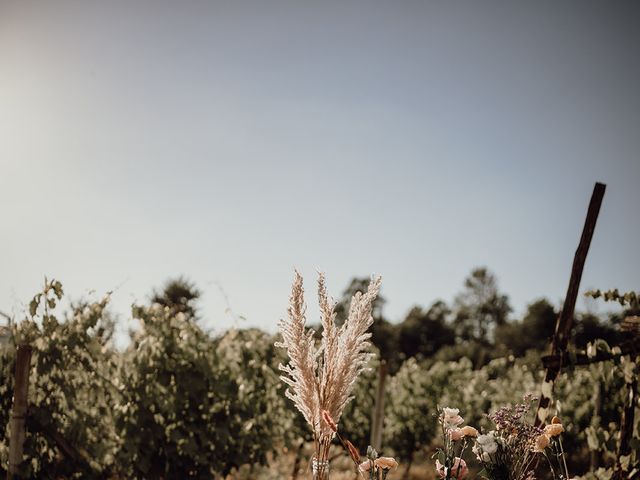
x=511, y=451
x=449, y=462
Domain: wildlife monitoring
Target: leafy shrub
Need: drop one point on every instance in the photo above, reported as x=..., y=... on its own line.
x=70, y=394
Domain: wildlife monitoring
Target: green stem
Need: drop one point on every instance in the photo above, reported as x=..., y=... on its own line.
x=564, y=460
x=553, y=472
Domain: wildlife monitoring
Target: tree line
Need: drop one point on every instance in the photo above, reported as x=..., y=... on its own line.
x=476, y=325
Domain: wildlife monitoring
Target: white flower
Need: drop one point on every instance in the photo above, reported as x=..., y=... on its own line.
x=487, y=442
x=485, y=446
x=450, y=412
x=451, y=417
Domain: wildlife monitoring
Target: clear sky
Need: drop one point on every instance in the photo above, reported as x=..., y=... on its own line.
x=233, y=141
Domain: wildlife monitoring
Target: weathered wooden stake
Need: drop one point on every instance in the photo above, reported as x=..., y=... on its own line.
x=565, y=319
x=19, y=409
x=378, y=412
x=627, y=422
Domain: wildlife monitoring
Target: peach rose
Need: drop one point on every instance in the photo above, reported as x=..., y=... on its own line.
x=386, y=463
x=451, y=417
x=542, y=442
x=468, y=431
x=554, y=429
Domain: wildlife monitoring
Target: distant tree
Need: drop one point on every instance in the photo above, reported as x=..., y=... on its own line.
x=179, y=295
x=589, y=327
x=534, y=331
x=480, y=307
x=424, y=332
x=540, y=323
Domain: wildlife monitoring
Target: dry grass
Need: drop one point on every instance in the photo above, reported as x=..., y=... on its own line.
x=321, y=378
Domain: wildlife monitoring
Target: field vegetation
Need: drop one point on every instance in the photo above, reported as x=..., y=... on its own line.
x=181, y=403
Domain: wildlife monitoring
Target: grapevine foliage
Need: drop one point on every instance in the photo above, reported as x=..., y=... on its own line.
x=180, y=403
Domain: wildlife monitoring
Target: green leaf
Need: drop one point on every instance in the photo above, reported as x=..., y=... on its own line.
x=57, y=289
x=33, y=306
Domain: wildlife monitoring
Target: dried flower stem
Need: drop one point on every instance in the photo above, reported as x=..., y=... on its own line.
x=322, y=378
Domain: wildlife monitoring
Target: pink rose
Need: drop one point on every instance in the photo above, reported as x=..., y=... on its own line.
x=451, y=418
x=456, y=434
x=459, y=469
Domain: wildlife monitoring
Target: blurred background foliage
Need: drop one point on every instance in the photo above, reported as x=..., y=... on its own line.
x=179, y=402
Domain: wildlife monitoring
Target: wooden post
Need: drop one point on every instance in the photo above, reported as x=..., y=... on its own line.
x=594, y=459
x=565, y=319
x=19, y=410
x=378, y=412
x=627, y=422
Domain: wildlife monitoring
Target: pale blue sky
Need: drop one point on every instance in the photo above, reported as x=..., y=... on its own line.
x=232, y=141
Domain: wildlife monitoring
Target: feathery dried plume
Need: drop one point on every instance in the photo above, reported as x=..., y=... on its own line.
x=321, y=379
x=349, y=358
x=300, y=345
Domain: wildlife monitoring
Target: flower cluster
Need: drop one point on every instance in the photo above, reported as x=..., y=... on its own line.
x=449, y=464
x=549, y=443
x=510, y=451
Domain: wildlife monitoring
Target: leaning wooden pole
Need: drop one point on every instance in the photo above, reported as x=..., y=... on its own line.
x=19, y=410
x=565, y=319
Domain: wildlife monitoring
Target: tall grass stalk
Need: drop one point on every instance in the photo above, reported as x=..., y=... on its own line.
x=321, y=375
